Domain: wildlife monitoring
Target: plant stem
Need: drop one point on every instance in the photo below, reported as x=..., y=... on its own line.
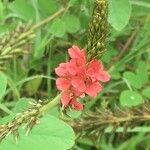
x=48, y=19
x=49, y=87
x=108, y=120
x=121, y=129
x=50, y=105
x=26, y=117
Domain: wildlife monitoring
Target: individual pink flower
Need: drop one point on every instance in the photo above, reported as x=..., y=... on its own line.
x=78, y=77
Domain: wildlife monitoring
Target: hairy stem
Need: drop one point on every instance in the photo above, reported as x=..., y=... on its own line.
x=51, y=104
x=97, y=122
x=27, y=117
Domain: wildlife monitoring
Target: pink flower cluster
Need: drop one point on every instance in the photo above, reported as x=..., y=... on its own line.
x=79, y=77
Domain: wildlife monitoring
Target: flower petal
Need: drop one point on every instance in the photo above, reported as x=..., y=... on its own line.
x=61, y=69
x=76, y=52
x=72, y=68
x=95, y=64
x=78, y=84
x=103, y=76
x=65, y=98
x=93, y=89
x=62, y=84
x=93, y=69
x=76, y=105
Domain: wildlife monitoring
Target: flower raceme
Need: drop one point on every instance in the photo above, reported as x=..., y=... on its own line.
x=78, y=77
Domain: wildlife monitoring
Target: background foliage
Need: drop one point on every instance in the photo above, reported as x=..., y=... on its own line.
x=31, y=77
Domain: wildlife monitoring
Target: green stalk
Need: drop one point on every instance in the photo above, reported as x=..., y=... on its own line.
x=50, y=105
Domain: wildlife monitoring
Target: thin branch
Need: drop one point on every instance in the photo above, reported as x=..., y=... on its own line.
x=45, y=21
x=18, y=41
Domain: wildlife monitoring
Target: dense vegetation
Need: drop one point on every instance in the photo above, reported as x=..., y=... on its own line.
x=34, y=38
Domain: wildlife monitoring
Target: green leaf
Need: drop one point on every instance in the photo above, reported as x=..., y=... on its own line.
x=22, y=104
x=38, y=37
x=72, y=23
x=74, y=113
x=1, y=11
x=57, y=28
x=146, y=92
x=130, y=98
x=6, y=119
x=141, y=3
x=84, y=18
x=32, y=86
x=23, y=10
x=142, y=66
x=142, y=72
x=3, y=84
x=50, y=133
x=5, y=109
x=72, y=2
x=138, y=79
x=3, y=29
x=115, y=74
x=133, y=79
x=119, y=13
x=47, y=7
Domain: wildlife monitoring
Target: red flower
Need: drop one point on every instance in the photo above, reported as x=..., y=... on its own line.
x=78, y=77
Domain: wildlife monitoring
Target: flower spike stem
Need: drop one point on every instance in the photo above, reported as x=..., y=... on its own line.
x=50, y=104
x=28, y=117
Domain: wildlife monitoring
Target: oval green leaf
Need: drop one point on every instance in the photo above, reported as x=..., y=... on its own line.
x=57, y=28
x=133, y=79
x=130, y=98
x=72, y=23
x=119, y=13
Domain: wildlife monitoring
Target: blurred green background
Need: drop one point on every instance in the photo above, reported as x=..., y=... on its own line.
x=127, y=59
